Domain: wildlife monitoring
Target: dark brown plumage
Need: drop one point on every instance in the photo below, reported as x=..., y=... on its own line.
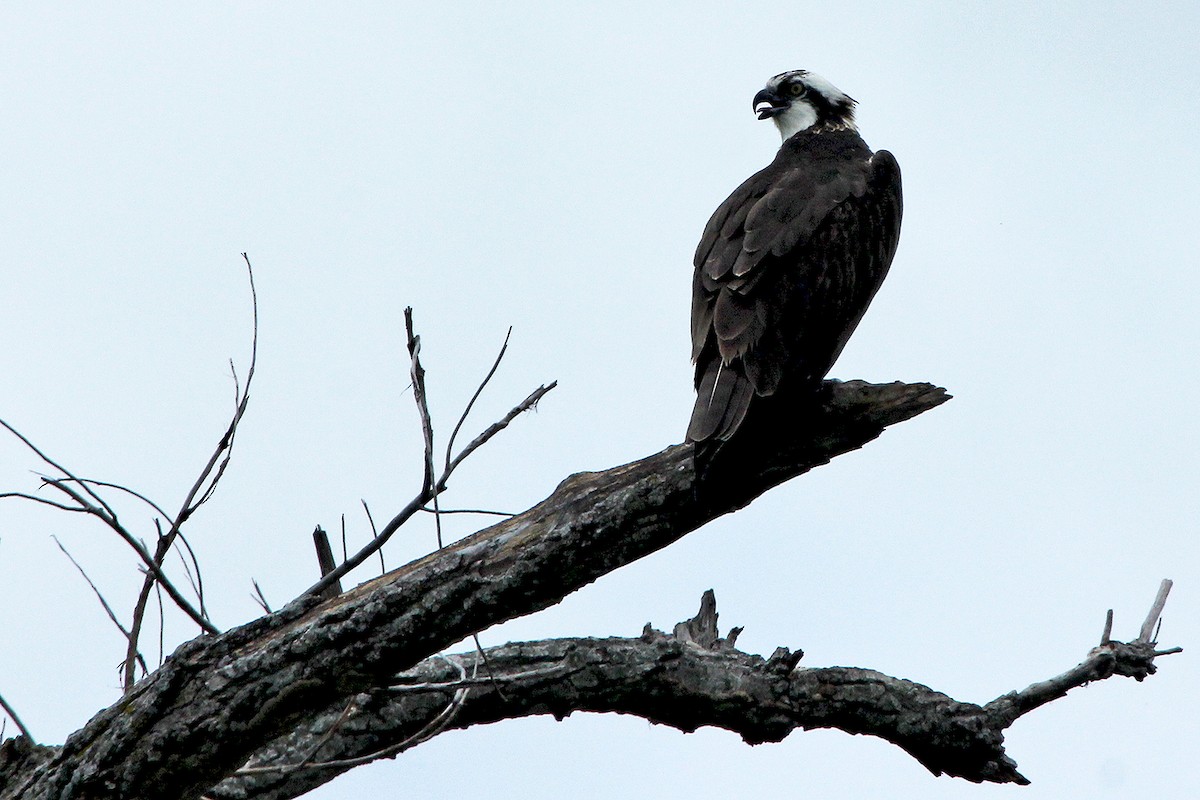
x=788, y=265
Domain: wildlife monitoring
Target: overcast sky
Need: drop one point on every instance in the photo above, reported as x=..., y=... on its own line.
x=551, y=168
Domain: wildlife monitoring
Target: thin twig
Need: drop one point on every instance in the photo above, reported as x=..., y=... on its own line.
x=12, y=714
x=162, y=625
x=194, y=574
x=418, y=502
x=474, y=397
x=370, y=548
x=202, y=486
x=128, y=491
x=44, y=501
x=483, y=511
x=99, y=596
x=437, y=523
x=197, y=583
x=431, y=729
x=429, y=490
x=350, y=708
x=259, y=597
x=67, y=473
x=138, y=548
x=374, y=535
x=195, y=577
x=487, y=665
x=489, y=680
x=496, y=427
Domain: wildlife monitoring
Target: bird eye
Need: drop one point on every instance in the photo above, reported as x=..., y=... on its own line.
x=797, y=89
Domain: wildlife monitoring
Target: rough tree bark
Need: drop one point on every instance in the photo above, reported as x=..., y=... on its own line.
x=346, y=673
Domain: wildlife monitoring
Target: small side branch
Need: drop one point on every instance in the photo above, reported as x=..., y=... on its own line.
x=325, y=561
x=418, y=384
x=431, y=488
x=1148, y=632
x=104, y=604
x=1134, y=659
x=16, y=718
x=87, y=499
x=479, y=441
x=471, y=403
x=203, y=487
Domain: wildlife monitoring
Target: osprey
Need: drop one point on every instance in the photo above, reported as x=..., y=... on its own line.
x=789, y=263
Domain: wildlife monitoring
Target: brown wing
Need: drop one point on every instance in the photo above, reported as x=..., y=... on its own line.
x=784, y=271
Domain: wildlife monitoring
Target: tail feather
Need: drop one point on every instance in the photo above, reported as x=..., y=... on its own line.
x=723, y=396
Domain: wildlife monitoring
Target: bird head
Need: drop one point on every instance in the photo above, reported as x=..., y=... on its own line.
x=799, y=100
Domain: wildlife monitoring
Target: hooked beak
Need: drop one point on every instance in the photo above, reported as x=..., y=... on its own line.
x=767, y=104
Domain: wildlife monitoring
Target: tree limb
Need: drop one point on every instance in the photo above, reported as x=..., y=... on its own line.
x=688, y=679
x=219, y=699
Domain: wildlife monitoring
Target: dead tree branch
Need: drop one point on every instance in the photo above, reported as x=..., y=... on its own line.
x=220, y=699
x=202, y=489
x=688, y=679
x=16, y=718
x=83, y=499
x=104, y=603
x=88, y=500
x=430, y=487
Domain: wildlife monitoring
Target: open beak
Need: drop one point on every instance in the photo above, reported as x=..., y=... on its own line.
x=767, y=104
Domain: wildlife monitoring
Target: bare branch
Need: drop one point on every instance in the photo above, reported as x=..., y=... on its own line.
x=529, y=402
x=312, y=656
x=429, y=490
x=203, y=486
x=153, y=567
x=482, y=511
x=687, y=679
x=418, y=383
x=136, y=656
x=433, y=727
x=66, y=473
x=12, y=714
x=306, y=760
x=471, y=403
x=259, y=597
x=45, y=502
x=194, y=575
x=1133, y=659
x=108, y=485
x=370, y=548
x=374, y=535
x=162, y=624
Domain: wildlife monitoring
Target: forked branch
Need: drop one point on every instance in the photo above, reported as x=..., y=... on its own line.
x=431, y=487
x=202, y=489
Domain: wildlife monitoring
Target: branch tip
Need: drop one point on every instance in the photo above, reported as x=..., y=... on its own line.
x=1106, y=637
x=1148, y=633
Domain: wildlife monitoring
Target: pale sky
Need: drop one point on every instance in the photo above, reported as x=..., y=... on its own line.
x=551, y=168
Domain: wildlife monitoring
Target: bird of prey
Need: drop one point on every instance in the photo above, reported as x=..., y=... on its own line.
x=790, y=261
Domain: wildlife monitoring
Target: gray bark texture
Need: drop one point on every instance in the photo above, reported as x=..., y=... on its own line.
x=299, y=695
